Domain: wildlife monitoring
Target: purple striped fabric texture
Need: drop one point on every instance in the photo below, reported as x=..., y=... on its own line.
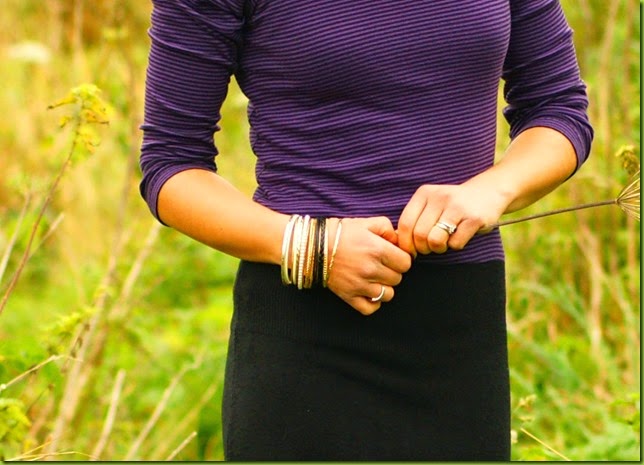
x=355, y=104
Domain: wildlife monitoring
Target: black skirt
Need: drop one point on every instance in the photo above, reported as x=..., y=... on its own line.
x=424, y=378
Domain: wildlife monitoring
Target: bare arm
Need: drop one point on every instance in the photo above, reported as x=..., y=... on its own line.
x=536, y=162
x=206, y=207
x=194, y=50
x=549, y=127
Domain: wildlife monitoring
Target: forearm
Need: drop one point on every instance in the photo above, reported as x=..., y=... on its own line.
x=207, y=208
x=536, y=162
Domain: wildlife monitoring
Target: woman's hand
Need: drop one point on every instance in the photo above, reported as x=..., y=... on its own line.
x=536, y=162
x=434, y=209
x=367, y=263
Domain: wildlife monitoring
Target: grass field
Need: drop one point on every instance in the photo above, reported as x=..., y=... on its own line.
x=113, y=339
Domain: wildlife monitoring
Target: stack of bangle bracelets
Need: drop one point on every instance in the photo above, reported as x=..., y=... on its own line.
x=305, y=248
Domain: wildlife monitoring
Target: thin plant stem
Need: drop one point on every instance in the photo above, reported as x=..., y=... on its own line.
x=134, y=449
x=31, y=370
x=111, y=415
x=31, y=452
x=181, y=446
x=39, y=457
x=39, y=217
x=135, y=270
x=591, y=249
x=14, y=236
x=33, y=251
x=186, y=421
x=559, y=454
x=553, y=212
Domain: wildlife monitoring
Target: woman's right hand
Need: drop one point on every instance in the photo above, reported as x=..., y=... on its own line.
x=367, y=261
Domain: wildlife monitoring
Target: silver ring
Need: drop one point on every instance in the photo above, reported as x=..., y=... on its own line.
x=382, y=294
x=447, y=227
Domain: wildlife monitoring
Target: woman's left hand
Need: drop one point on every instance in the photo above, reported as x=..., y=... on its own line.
x=436, y=209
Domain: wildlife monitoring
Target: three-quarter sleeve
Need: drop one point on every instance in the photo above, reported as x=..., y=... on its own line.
x=543, y=86
x=194, y=48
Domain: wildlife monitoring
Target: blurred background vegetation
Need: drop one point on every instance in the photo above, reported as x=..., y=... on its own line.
x=112, y=340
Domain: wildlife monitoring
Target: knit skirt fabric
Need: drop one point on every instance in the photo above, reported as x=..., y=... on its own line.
x=424, y=378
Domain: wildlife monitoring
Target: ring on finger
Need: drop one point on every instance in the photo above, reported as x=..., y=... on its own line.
x=382, y=294
x=449, y=228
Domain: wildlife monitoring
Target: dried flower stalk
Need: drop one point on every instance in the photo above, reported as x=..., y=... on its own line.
x=628, y=200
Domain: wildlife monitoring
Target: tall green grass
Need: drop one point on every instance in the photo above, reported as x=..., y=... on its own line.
x=112, y=344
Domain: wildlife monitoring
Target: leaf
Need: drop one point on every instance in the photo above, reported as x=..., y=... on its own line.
x=630, y=159
x=14, y=424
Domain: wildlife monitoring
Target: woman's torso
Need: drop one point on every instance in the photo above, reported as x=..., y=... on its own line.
x=354, y=105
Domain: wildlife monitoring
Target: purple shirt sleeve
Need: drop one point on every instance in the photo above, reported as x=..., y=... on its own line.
x=193, y=54
x=542, y=82
x=196, y=46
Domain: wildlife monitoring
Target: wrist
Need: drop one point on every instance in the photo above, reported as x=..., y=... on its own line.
x=502, y=187
x=306, y=251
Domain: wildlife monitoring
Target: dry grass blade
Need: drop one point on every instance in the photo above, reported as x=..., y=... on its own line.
x=156, y=414
x=181, y=446
x=523, y=430
x=628, y=200
x=14, y=238
x=37, y=367
x=111, y=415
x=45, y=456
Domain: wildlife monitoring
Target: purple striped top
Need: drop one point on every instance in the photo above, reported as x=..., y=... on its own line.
x=355, y=104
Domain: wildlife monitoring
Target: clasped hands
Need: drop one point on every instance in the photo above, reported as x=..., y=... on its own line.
x=372, y=256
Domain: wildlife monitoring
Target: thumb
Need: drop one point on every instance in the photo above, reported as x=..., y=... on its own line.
x=381, y=225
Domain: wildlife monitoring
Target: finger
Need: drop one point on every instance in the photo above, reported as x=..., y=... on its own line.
x=373, y=300
x=486, y=229
x=438, y=238
x=364, y=305
x=388, y=277
x=374, y=271
x=382, y=293
x=466, y=230
x=377, y=295
x=389, y=294
x=407, y=223
x=381, y=225
x=424, y=227
x=395, y=259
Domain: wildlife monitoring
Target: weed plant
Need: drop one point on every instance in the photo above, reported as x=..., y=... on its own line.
x=113, y=328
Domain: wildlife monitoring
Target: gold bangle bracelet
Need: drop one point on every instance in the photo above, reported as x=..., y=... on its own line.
x=318, y=264
x=286, y=244
x=303, y=244
x=295, y=248
x=325, y=256
x=310, y=252
x=335, y=248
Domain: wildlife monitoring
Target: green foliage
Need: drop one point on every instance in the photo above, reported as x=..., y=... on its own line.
x=14, y=426
x=88, y=109
x=56, y=336
x=628, y=411
x=629, y=156
x=120, y=352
